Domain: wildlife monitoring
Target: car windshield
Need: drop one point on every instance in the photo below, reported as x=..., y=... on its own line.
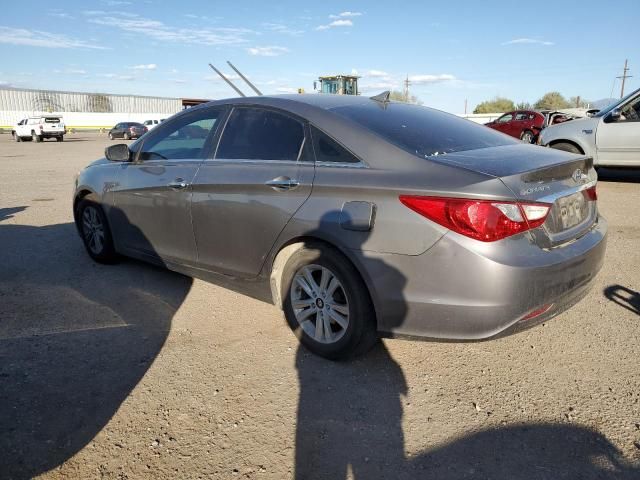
x=422, y=131
x=607, y=109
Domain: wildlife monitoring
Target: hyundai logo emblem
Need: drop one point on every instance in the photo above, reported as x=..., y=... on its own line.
x=578, y=176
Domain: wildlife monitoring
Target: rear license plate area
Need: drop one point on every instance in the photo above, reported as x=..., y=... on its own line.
x=572, y=210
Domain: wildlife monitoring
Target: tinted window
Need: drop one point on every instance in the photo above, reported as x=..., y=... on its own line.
x=505, y=118
x=257, y=134
x=328, y=150
x=181, y=139
x=522, y=116
x=52, y=120
x=422, y=131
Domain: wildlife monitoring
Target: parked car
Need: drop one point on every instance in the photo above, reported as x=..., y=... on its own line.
x=611, y=136
x=150, y=124
x=127, y=130
x=522, y=124
x=358, y=216
x=38, y=128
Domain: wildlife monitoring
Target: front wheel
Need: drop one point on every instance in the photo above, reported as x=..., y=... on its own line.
x=126, y=136
x=17, y=137
x=110, y=136
x=95, y=231
x=327, y=304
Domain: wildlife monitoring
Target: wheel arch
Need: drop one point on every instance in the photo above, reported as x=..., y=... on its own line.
x=571, y=142
x=275, y=266
x=80, y=194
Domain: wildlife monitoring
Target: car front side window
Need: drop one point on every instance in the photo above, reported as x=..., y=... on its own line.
x=505, y=118
x=260, y=134
x=631, y=111
x=185, y=138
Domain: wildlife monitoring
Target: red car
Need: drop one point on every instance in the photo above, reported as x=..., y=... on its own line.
x=522, y=124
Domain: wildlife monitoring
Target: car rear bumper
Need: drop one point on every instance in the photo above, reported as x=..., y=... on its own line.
x=462, y=289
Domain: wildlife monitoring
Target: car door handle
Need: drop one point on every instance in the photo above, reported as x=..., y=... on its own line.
x=178, y=184
x=283, y=183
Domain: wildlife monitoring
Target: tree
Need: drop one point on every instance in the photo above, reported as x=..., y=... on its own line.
x=552, y=101
x=523, y=106
x=497, y=105
x=579, y=102
x=399, y=97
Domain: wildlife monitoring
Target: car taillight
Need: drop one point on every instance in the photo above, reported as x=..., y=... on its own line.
x=591, y=194
x=484, y=220
x=41, y=127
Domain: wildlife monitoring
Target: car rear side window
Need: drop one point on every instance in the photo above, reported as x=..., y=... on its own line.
x=183, y=138
x=328, y=150
x=422, y=131
x=260, y=134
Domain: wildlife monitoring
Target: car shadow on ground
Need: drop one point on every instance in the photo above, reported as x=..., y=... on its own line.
x=623, y=175
x=623, y=296
x=75, y=339
x=350, y=426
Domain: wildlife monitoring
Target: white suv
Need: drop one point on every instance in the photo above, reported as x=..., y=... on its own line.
x=611, y=137
x=39, y=128
x=152, y=123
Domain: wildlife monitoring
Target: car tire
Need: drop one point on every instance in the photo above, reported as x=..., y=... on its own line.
x=110, y=136
x=36, y=138
x=527, y=136
x=95, y=232
x=566, y=147
x=17, y=138
x=126, y=136
x=59, y=139
x=348, y=324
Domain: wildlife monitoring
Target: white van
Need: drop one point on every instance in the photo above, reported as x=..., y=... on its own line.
x=152, y=123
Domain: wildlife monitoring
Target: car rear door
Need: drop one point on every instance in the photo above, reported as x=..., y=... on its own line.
x=152, y=203
x=243, y=198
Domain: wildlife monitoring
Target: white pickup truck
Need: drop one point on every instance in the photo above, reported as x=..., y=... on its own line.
x=39, y=127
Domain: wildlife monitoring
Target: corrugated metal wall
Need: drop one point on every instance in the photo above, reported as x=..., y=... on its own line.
x=15, y=104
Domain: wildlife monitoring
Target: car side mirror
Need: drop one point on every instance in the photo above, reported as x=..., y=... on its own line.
x=614, y=116
x=118, y=153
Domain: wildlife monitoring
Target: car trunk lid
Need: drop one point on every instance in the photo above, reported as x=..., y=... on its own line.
x=536, y=174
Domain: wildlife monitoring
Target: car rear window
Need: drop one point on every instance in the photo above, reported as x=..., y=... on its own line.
x=52, y=120
x=258, y=134
x=422, y=131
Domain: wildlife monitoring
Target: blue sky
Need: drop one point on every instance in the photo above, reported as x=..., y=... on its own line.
x=451, y=51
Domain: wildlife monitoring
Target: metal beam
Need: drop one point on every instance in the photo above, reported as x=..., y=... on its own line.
x=227, y=80
x=255, y=89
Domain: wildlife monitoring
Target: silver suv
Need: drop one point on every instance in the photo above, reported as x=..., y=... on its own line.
x=611, y=137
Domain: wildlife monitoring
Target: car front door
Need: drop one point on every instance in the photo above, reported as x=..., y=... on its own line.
x=618, y=141
x=152, y=204
x=243, y=198
x=503, y=123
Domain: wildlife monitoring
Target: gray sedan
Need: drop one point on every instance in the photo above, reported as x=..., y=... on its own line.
x=358, y=216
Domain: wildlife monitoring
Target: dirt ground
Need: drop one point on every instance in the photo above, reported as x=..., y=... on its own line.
x=130, y=371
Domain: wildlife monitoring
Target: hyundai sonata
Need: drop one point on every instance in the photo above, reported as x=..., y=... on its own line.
x=362, y=217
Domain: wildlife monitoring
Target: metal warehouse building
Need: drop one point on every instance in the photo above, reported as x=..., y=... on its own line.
x=85, y=110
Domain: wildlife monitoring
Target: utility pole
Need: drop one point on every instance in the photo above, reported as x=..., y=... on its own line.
x=578, y=101
x=406, y=89
x=624, y=77
x=465, y=106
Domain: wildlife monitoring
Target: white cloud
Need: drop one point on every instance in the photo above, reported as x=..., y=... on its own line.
x=216, y=78
x=158, y=30
x=346, y=14
x=60, y=15
x=72, y=71
x=147, y=66
x=425, y=79
x=527, y=41
x=5, y=84
x=116, y=76
x=116, y=3
x=267, y=51
x=284, y=29
x=179, y=80
x=379, y=86
x=334, y=24
x=376, y=73
x=37, y=38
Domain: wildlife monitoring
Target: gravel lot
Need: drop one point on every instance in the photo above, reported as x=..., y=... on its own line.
x=130, y=371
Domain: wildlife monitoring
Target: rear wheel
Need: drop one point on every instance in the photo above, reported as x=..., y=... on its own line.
x=327, y=304
x=95, y=231
x=35, y=137
x=527, y=136
x=59, y=139
x=567, y=147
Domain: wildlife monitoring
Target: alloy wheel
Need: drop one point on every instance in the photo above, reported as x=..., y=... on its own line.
x=93, y=230
x=320, y=303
